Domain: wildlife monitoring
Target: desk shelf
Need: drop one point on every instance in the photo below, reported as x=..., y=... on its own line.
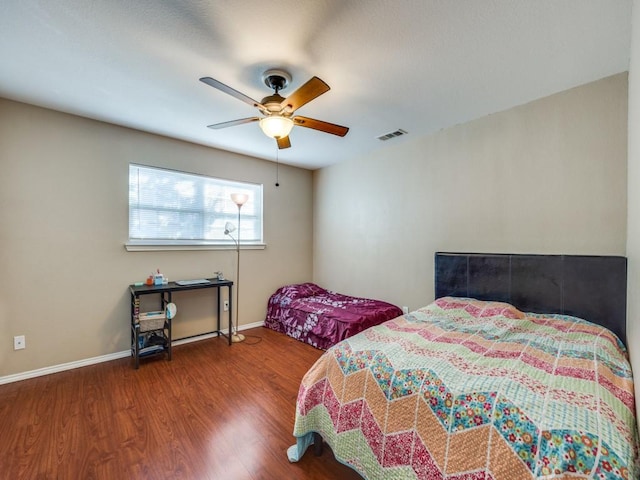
x=143, y=330
x=152, y=350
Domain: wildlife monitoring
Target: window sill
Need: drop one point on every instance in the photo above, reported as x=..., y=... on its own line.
x=150, y=247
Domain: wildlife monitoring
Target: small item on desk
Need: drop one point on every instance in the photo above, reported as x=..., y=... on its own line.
x=150, y=280
x=197, y=281
x=158, y=278
x=138, y=284
x=219, y=276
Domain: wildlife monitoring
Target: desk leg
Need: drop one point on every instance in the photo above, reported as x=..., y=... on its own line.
x=169, y=322
x=169, y=341
x=135, y=330
x=218, y=312
x=230, y=313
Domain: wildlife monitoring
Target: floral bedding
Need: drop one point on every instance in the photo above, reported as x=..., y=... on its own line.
x=321, y=317
x=464, y=389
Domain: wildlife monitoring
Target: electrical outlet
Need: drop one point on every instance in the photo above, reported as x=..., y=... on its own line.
x=225, y=305
x=19, y=342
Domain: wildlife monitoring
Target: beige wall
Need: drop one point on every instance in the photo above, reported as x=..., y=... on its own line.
x=633, y=222
x=64, y=222
x=545, y=177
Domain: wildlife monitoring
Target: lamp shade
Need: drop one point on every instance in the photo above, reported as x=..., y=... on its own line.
x=239, y=198
x=276, y=126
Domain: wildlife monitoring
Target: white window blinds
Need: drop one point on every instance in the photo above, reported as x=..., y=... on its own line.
x=167, y=207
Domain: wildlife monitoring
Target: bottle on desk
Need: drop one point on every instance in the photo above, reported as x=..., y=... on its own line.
x=158, y=278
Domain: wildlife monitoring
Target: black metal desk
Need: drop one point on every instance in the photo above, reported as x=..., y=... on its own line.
x=165, y=291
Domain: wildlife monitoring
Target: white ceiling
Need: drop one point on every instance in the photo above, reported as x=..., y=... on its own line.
x=419, y=65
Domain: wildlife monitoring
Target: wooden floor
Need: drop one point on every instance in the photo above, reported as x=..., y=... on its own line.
x=214, y=412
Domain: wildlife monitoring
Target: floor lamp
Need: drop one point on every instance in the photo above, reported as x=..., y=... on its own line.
x=239, y=199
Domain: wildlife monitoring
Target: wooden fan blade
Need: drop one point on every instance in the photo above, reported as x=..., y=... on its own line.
x=283, y=142
x=212, y=82
x=233, y=123
x=326, y=127
x=303, y=95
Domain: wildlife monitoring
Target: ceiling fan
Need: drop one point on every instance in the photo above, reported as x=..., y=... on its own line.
x=278, y=120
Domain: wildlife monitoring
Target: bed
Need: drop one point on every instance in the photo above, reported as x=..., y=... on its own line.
x=472, y=387
x=322, y=318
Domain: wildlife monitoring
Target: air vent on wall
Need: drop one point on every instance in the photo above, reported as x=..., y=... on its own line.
x=389, y=136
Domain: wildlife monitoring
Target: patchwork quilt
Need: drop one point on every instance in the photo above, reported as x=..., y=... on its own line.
x=319, y=317
x=468, y=390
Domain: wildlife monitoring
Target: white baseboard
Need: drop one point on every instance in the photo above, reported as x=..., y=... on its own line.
x=62, y=367
x=105, y=358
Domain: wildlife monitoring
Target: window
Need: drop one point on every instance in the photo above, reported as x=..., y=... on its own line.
x=167, y=207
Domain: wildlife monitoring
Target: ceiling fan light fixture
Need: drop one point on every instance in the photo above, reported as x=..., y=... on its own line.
x=276, y=126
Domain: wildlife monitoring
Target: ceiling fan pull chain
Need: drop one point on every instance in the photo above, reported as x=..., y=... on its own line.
x=277, y=168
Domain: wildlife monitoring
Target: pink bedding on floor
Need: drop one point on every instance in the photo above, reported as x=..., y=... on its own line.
x=322, y=318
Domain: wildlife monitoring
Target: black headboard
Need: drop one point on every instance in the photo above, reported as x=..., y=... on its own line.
x=590, y=287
